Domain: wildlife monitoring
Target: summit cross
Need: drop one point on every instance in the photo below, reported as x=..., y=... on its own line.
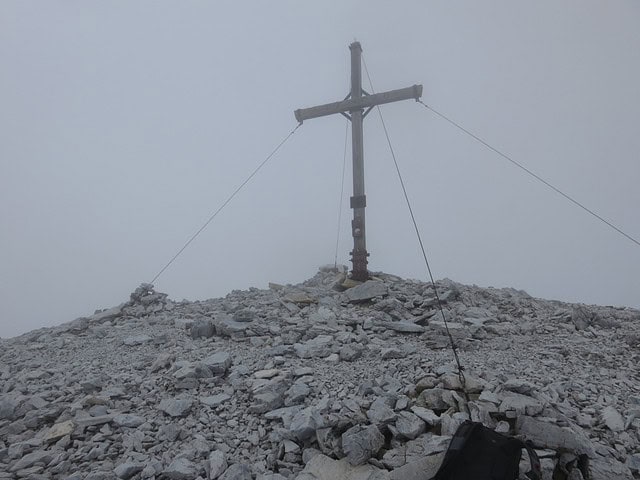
x=355, y=107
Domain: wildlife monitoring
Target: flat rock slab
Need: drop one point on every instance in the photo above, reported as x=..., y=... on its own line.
x=228, y=327
x=128, y=469
x=426, y=414
x=217, y=464
x=321, y=346
x=59, y=430
x=215, y=400
x=300, y=298
x=269, y=373
x=422, y=469
x=128, y=420
x=176, y=407
x=218, y=363
x=237, y=471
x=137, y=340
x=92, y=421
x=322, y=467
x=107, y=315
x=401, y=327
x=367, y=291
x=521, y=405
x=609, y=469
x=38, y=457
x=612, y=419
x=181, y=469
x=547, y=435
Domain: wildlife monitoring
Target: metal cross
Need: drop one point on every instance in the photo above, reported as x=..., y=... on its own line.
x=355, y=107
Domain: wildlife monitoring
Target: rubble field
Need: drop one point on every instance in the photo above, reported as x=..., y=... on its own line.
x=318, y=381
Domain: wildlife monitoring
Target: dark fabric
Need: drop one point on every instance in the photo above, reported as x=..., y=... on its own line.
x=478, y=453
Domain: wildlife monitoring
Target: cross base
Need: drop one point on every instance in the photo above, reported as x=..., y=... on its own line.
x=359, y=260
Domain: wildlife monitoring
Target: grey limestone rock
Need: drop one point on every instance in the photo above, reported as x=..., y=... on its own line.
x=300, y=298
x=426, y=415
x=176, y=407
x=582, y=317
x=59, y=430
x=285, y=414
x=608, y=469
x=360, y=443
x=449, y=424
x=305, y=422
x=633, y=463
x=409, y=425
x=8, y=406
x=128, y=420
x=137, y=340
x=380, y=413
x=93, y=421
x=217, y=464
x=215, y=400
x=521, y=405
x=39, y=457
x=162, y=361
x=401, y=327
x=181, y=469
x=228, y=327
x=218, y=363
x=436, y=399
x=202, y=328
x=296, y=393
x=321, y=467
x=237, y=471
x=519, y=385
x=76, y=401
x=128, y=469
x=612, y=419
x=547, y=435
x=350, y=352
x=268, y=396
x=101, y=475
x=423, y=468
x=367, y=291
x=318, y=347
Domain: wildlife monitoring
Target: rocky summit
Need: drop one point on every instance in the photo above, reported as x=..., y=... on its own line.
x=318, y=381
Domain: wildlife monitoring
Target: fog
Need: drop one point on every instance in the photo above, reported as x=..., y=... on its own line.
x=124, y=125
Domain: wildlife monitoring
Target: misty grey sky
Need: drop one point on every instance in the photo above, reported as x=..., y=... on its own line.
x=125, y=124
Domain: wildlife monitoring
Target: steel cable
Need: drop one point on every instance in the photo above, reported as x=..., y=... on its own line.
x=452, y=343
x=344, y=164
x=225, y=203
x=529, y=172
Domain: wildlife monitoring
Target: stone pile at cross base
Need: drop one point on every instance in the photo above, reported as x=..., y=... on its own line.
x=315, y=381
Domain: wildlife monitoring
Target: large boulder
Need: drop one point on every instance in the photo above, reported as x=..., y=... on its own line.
x=548, y=435
x=367, y=291
x=360, y=443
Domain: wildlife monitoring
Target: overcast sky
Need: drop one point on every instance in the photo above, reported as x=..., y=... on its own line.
x=124, y=125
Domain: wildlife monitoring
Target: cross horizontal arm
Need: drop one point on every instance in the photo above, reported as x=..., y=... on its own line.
x=352, y=104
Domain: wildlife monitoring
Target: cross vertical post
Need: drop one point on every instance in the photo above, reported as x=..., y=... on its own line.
x=358, y=200
x=353, y=107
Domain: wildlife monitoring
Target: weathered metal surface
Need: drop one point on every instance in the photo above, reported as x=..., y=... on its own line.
x=351, y=104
